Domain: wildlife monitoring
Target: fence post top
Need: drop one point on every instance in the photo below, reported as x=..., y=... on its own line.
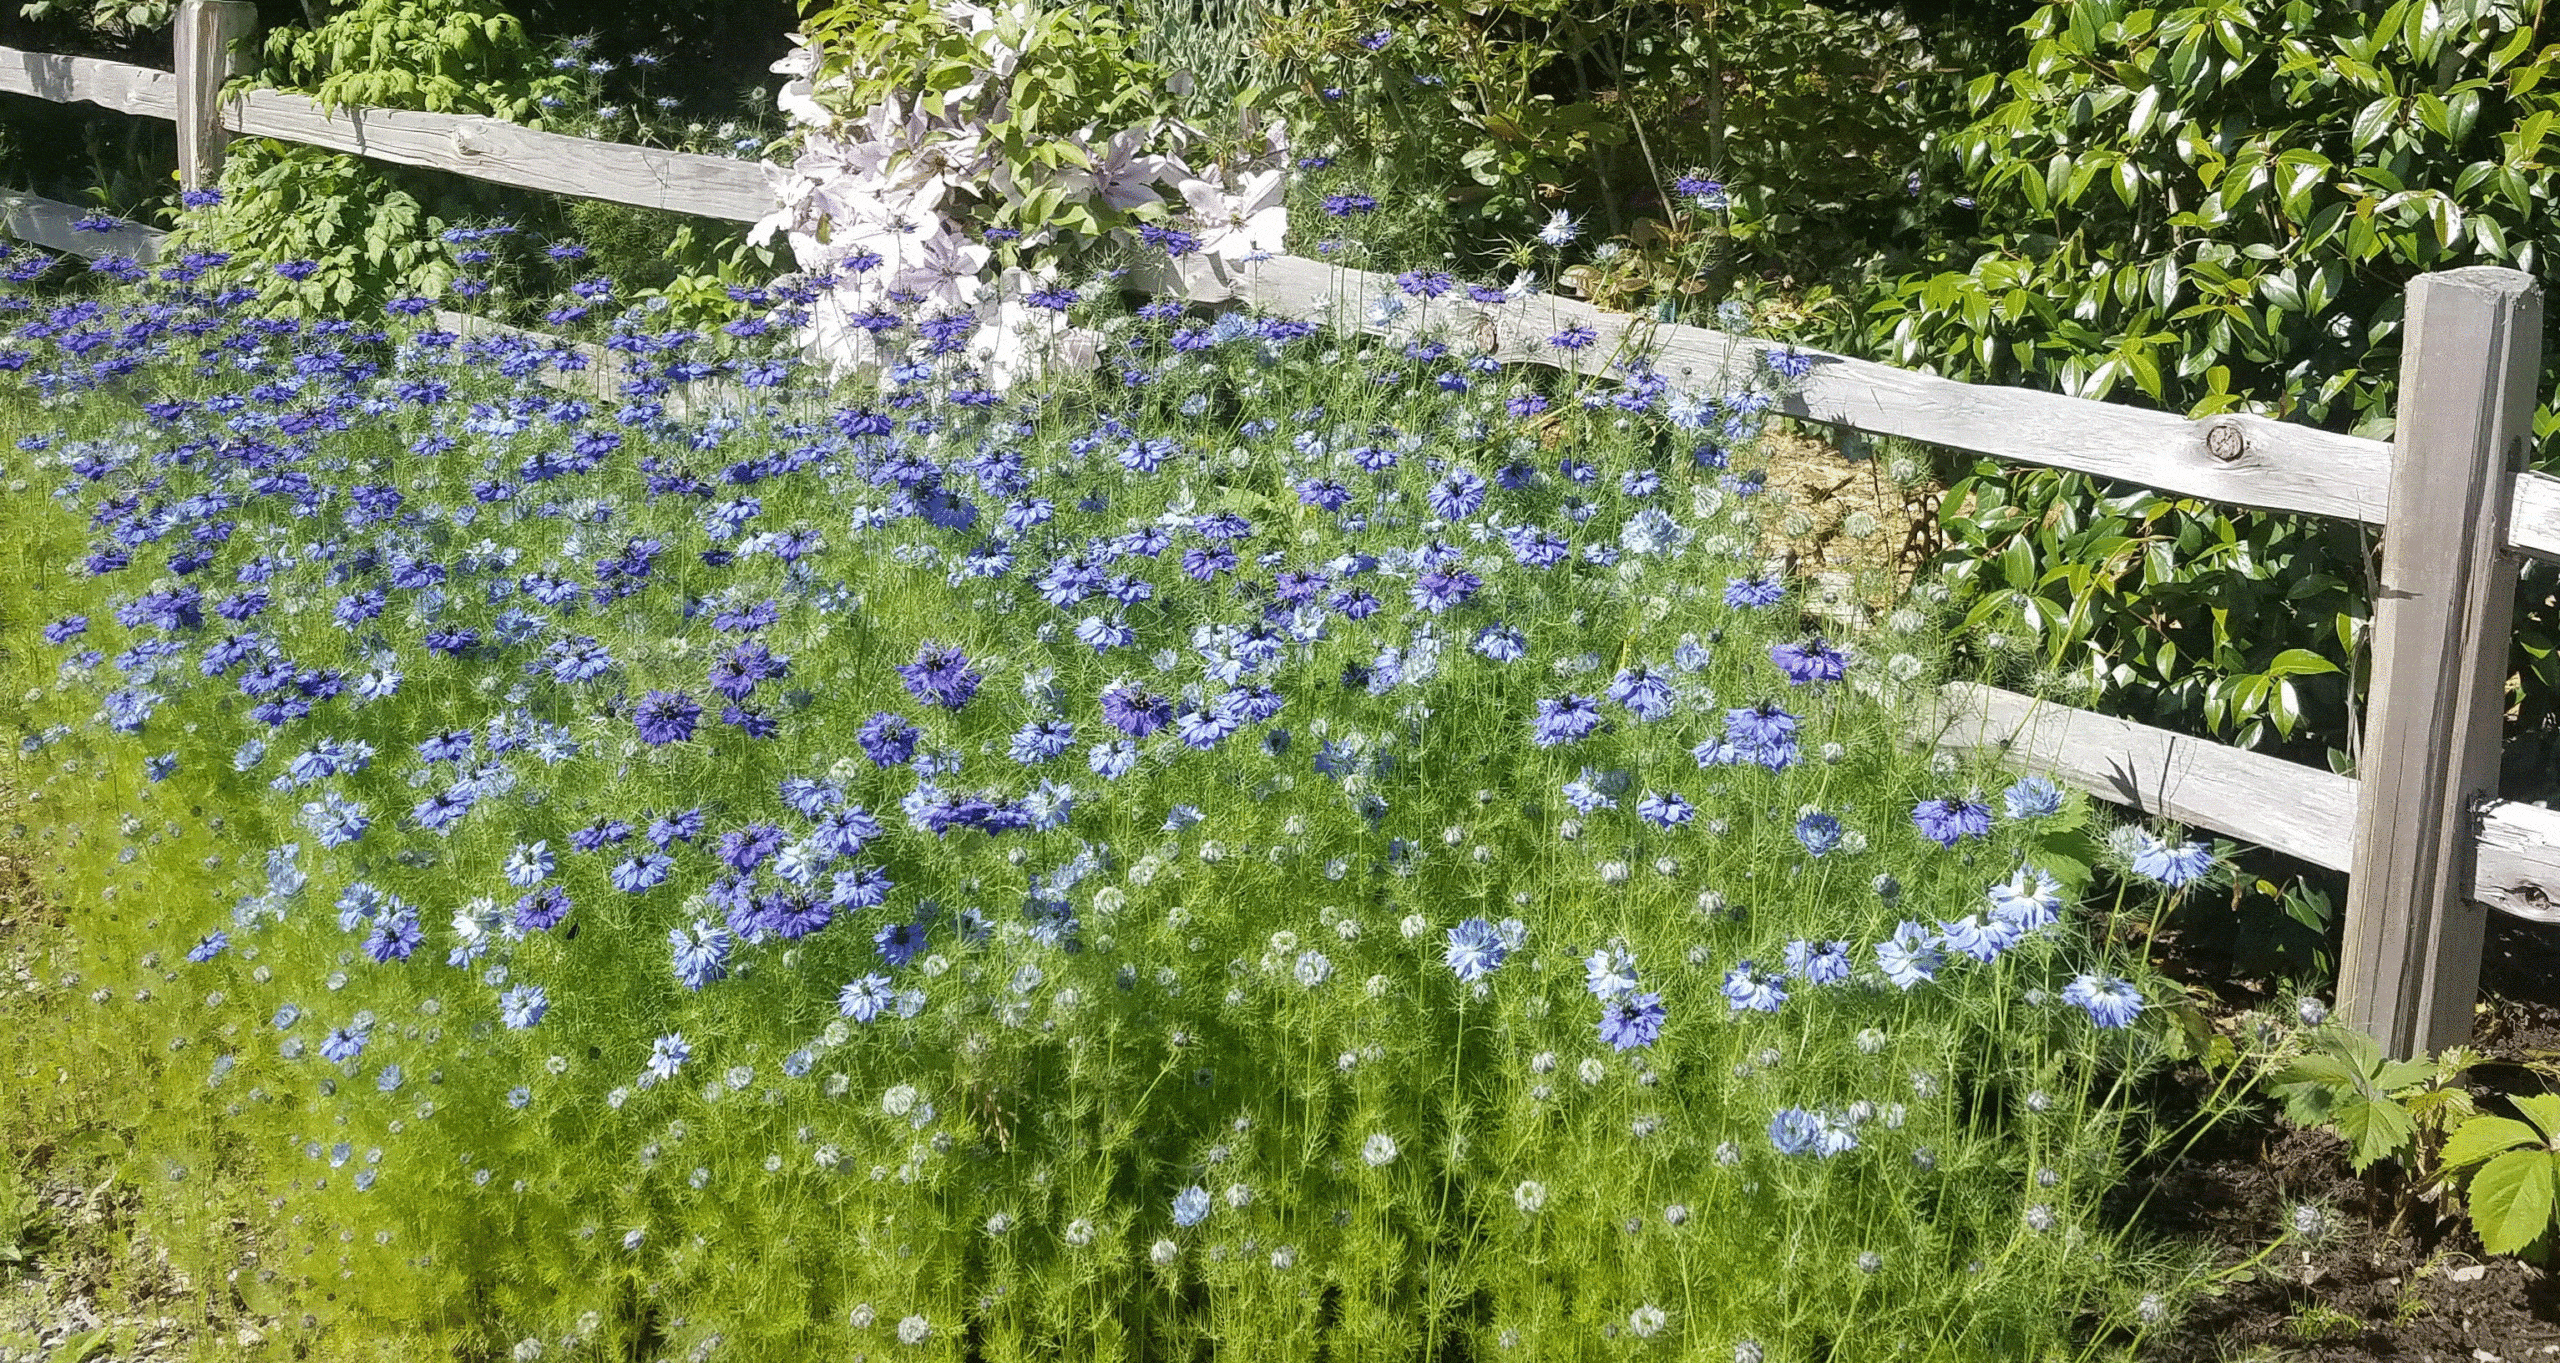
x=2489, y=279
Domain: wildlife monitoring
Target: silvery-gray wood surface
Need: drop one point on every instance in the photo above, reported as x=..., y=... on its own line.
x=2301, y=811
x=2443, y=621
x=212, y=42
x=490, y=149
x=484, y=148
x=2243, y=460
x=47, y=223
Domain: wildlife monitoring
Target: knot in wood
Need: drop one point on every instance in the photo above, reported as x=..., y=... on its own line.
x=2224, y=441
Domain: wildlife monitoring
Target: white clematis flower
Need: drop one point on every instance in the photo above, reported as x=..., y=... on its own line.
x=1122, y=176
x=1250, y=221
x=945, y=271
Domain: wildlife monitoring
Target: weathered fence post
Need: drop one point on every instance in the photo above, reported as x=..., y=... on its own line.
x=2470, y=359
x=213, y=46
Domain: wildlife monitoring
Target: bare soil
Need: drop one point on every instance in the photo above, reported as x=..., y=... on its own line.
x=2398, y=1278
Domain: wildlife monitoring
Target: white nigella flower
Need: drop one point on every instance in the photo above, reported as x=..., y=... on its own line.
x=475, y=920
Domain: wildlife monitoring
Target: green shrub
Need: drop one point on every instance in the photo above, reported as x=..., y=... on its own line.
x=443, y=56
x=1808, y=114
x=282, y=201
x=114, y=17
x=2217, y=207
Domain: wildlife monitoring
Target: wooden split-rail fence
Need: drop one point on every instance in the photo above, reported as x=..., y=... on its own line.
x=2429, y=847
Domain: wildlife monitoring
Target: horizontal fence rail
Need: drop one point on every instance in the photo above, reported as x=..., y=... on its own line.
x=2244, y=460
x=2303, y=812
x=2411, y=967
x=466, y=144
x=47, y=222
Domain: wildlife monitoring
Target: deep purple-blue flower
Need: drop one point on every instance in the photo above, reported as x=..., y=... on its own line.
x=666, y=717
x=1951, y=819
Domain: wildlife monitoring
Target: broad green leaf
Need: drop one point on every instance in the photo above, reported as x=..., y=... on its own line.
x=2371, y=122
x=2543, y=1110
x=2396, y=1075
x=2297, y=662
x=2511, y=1200
x=2481, y=1137
x=2379, y=1128
x=2145, y=106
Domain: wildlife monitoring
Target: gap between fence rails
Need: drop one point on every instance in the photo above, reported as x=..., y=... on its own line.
x=2433, y=846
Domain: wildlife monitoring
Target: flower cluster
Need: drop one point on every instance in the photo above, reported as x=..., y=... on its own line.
x=1124, y=841
x=896, y=204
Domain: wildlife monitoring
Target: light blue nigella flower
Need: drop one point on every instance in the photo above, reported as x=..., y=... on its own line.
x=1475, y=950
x=2028, y=900
x=2173, y=865
x=523, y=1006
x=1793, y=1130
x=666, y=1056
x=866, y=998
x=530, y=865
x=701, y=955
x=1610, y=972
x=1910, y=957
x=2033, y=797
x=1746, y=986
x=2110, y=1002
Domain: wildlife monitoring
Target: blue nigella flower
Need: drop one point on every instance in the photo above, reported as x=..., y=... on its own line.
x=1746, y=986
x=1632, y=1020
x=2110, y=1002
x=1978, y=936
x=523, y=1006
x=1646, y=695
x=1610, y=972
x=343, y=1044
x=1810, y=661
x=1818, y=962
x=701, y=954
x=1665, y=810
x=1793, y=1129
x=2173, y=864
x=866, y=998
x=666, y=1056
x=1910, y=956
x=1951, y=819
x=1475, y=950
x=2032, y=798
x=1564, y=719
x=2028, y=900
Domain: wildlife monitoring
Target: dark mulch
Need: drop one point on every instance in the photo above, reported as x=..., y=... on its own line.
x=2397, y=1278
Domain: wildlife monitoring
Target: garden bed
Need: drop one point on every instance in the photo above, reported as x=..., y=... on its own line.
x=1301, y=841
